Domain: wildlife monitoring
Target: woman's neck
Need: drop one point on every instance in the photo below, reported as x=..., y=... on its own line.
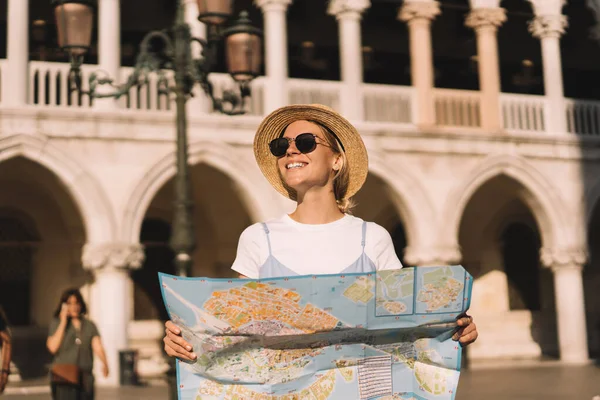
x=316, y=207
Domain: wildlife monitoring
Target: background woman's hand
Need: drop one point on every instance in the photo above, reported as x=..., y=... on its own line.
x=64, y=312
x=105, y=370
x=467, y=332
x=3, y=380
x=175, y=345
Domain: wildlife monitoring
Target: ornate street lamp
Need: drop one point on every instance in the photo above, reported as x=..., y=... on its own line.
x=243, y=42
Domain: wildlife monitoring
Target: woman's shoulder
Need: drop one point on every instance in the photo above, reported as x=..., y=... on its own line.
x=258, y=229
x=373, y=229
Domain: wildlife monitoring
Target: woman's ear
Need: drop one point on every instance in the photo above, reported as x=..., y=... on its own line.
x=338, y=163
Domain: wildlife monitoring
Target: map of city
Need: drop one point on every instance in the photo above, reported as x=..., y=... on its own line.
x=384, y=335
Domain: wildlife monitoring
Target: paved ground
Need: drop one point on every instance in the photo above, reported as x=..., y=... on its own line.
x=539, y=383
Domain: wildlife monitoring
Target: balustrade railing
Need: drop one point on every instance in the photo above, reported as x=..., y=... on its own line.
x=457, y=108
x=49, y=86
x=583, y=117
x=523, y=113
x=386, y=103
x=308, y=91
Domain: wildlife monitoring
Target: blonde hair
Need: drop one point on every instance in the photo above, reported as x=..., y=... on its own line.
x=341, y=180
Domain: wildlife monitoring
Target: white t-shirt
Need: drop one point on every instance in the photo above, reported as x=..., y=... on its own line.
x=314, y=249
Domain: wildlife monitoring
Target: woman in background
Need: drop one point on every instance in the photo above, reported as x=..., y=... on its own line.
x=5, y=350
x=73, y=340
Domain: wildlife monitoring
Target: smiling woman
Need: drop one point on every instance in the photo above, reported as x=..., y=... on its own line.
x=314, y=156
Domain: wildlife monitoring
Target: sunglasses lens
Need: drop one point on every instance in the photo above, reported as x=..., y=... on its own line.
x=279, y=146
x=305, y=143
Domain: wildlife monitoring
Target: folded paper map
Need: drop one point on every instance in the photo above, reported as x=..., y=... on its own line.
x=384, y=335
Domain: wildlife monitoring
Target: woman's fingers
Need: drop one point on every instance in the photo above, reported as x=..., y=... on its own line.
x=178, y=340
x=172, y=327
x=464, y=320
x=175, y=349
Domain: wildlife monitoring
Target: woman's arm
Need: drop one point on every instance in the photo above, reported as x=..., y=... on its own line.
x=6, y=356
x=55, y=340
x=98, y=350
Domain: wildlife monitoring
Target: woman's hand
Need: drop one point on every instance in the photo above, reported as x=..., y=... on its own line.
x=3, y=380
x=467, y=333
x=64, y=312
x=175, y=346
x=105, y=370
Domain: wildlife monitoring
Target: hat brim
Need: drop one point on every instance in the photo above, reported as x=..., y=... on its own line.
x=275, y=123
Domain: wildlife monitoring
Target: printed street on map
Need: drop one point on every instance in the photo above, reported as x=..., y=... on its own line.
x=384, y=335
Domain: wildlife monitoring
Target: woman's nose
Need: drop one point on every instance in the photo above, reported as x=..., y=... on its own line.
x=292, y=149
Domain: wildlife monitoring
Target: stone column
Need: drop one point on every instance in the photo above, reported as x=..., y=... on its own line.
x=418, y=15
x=428, y=256
x=109, y=48
x=567, y=268
x=112, y=297
x=485, y=22
x=15, y=76
x=276, y=52
x=348, y=13
x=548, y=25
x=200, y=103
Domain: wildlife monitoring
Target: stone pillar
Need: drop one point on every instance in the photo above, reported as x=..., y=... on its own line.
x=15, y=76
x=418, y=15
x=349, y=13
x=112, y=297
x=485, y=22
x=567, y=268
x=428, y=256
x=548, y=25
x=109, y=48
x=200, y=103
x=276, y=52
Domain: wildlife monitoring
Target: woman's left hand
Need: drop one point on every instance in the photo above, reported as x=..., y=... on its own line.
x=467, y=333
x=105, y=370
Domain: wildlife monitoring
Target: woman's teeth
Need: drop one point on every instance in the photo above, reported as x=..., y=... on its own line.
x=295, y=165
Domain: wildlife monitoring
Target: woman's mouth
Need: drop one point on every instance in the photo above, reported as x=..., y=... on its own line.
x=295, y=165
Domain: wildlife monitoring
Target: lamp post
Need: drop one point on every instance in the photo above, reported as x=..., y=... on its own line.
x=243, y=42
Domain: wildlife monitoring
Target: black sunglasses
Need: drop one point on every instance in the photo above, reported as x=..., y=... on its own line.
x=305, y=143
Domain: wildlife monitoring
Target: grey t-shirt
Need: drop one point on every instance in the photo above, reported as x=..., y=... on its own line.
x=68, y=351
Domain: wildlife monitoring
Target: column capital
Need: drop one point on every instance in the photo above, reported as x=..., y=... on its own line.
x=547, y=7
x=548, y=26
x=555, y=259
x=412, y=10
x=486, y=17
x=268, y=5
x=341, y=7
x=422, y=257
x=112, y=256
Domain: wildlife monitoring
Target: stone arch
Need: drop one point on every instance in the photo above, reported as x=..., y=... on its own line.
x=222, y=157
x=546, y=205
x=88, y=195
x=409, y=197
x=591, y=201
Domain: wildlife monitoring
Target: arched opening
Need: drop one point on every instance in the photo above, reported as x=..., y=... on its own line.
x=520, y=246
x=18, y=242
x=591, y=283
x=41, y=237
x=500, y=239
x=219, y=217
x=376, y=202
x=154, y=236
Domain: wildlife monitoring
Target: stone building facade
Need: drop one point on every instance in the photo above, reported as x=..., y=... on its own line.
x=506, y=184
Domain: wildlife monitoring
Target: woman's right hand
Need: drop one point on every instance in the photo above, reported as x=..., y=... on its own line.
x=64, y=312
x=175, y=346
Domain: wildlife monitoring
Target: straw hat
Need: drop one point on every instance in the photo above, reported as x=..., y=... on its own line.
x=275, y=123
